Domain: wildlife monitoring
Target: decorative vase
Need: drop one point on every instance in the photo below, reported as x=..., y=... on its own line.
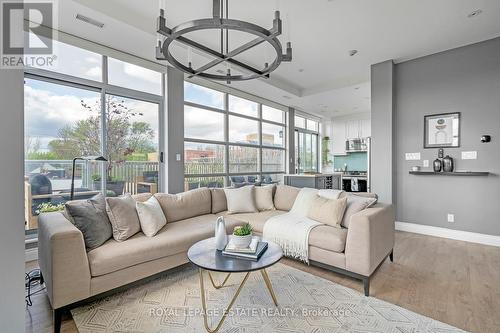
x=220, y=234
x=448, y=164
x=437, y=164
x=241, y=241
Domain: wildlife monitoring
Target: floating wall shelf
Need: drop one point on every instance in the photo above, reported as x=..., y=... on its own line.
x=455, y=173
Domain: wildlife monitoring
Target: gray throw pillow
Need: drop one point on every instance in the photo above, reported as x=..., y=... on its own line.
x=90, y=217
x=355, y=204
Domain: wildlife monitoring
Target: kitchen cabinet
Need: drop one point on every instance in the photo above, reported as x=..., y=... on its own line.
x=365, y=128
x=338, y=138
x=348, y=128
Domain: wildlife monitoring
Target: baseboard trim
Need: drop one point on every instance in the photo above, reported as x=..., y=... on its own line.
x=466, y=236
x=31, y=254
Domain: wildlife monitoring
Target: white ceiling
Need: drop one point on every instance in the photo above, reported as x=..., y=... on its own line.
x=322, y=78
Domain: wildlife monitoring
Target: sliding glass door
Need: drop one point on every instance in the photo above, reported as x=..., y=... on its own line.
x=306, y=151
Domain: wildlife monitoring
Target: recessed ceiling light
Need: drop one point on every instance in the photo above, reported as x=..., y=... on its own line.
x=301, y=70
x=356, y=88
x=474, y=13
x=353, y=53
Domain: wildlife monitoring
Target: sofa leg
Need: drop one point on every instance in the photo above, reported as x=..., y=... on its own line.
x=366, y=285
x=57, y=319
x=391, y=256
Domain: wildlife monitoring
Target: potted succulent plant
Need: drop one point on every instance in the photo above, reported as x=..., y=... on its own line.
x=242, y=235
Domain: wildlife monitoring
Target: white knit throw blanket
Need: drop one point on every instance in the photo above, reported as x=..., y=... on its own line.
x=291, y=230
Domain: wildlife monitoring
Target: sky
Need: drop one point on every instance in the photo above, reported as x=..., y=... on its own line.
x=49, y=107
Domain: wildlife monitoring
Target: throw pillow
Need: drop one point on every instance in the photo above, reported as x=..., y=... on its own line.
x=331, y=194
x=123, y=216
x=328, y=211
x=285, y=196
x=240, y=200
x=151, y=216
x=355, y=204
x=90, y=217
x=264, y=197
x=219, y=202
x=303, y=202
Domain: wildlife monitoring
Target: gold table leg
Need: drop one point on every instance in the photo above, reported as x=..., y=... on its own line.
x=220, y=285
x=269, y=285
x=226, y=311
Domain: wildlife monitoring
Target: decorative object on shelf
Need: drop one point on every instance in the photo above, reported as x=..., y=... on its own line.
x=220, y=234
x=448, y=164
x=486, y=138
x=242, y=235
x=442, y=130
x=222, y=22
x=437, y=165
x=440, y=153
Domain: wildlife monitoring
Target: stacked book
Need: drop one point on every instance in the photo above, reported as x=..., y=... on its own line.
x=253, y=252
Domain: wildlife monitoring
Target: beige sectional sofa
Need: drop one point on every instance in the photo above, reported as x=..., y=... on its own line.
x=73, y=275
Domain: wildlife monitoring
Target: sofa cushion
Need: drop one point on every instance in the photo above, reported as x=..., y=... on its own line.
x=174, y=238
x=219, y=202
x=90, y=217
x=141, y=197
x=151, y=216
x=185, y=205
x=355, y=204
x=241, y=200
x=264, y=197
x=328, y=238
x=285, y=197
x=257, y=220
x=123, y=216
x=328, y=211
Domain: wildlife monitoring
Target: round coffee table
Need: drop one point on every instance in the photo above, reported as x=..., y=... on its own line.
x=206, y=257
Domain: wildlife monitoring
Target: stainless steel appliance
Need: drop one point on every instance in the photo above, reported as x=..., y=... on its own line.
x=356, y=180
x=357, y=145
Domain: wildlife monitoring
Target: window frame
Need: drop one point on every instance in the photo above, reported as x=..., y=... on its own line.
x=304, y=131
x=104, y=88
x=227, y=143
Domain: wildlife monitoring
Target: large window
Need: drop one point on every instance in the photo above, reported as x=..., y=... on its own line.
x=230, y=140
x=67, y=116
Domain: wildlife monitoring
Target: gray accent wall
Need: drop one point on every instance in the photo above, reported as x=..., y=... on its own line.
x=465, y=80
x=175, y=131
x=12, y=256
x=382, y=114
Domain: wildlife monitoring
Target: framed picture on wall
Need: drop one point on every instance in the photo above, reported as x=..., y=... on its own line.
x=442, y=130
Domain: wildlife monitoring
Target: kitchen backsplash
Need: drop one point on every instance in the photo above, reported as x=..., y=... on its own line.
x=355, y=161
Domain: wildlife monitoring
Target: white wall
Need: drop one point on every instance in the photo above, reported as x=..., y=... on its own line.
x=11, y=202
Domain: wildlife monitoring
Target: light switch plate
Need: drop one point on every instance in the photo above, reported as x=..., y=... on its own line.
x=469, y=155
x=177, y=157
x=451, y=218
x=426, y=163
x=412, y=156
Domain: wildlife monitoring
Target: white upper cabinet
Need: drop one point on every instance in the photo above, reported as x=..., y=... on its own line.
x=365, y=128
x=348, y=128
x=338, y=138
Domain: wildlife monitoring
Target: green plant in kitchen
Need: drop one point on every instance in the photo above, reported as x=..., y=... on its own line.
x=47, y=207
x=243, y=230
x=325, y=151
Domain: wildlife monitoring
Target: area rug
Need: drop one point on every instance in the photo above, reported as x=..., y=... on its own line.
x=307, y=304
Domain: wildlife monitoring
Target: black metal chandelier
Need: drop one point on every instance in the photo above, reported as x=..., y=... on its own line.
x=220, y=21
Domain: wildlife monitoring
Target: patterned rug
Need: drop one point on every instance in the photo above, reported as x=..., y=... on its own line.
x=307, y=304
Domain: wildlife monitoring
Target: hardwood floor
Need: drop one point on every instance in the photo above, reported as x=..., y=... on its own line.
x=451, y=281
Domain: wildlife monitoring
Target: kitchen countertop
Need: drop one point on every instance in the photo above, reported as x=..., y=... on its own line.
x=314, y=175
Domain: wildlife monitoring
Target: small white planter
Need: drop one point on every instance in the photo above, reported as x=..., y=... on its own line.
x=241, y=241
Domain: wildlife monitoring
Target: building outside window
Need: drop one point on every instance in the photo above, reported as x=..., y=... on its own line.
x=229, y=140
